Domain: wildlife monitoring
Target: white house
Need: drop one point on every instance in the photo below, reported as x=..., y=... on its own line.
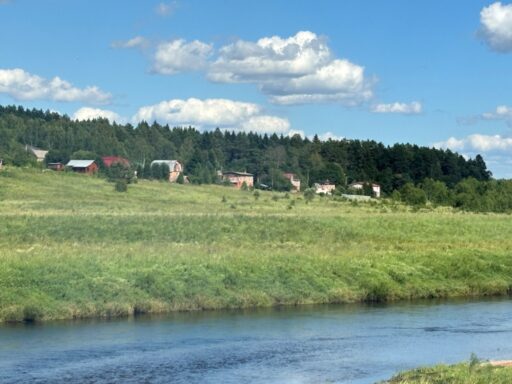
x=360, y=185
x=325, y=187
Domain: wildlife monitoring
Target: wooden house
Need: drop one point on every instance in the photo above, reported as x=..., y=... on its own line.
x=83, y=166
x=175, y=168
x=237, y=179
x=109, y=161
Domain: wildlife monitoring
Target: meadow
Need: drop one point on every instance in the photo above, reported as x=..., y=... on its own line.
x=466, y=373
x=73, y=247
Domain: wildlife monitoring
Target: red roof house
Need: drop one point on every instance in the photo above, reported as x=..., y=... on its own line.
x=108, y=161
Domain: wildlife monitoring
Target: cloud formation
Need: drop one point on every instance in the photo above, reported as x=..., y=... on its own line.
x=176, y=56
x=502, y=112
x=477, y=143
x=496, y=26
x=135, y=42
x=295, y=70
x=401, y=108
x=22, y=85
x=87, y=113
x=212, y=113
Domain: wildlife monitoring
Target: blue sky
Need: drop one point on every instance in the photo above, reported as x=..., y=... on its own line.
x=431, y=73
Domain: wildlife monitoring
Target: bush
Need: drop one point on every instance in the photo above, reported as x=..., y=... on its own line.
x=121, y=185
x=412, y=195
x=309, y=194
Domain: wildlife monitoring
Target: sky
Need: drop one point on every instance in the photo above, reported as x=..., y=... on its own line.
x=432, y=73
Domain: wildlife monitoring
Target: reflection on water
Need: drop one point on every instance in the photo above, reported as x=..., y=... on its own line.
x=311, y=344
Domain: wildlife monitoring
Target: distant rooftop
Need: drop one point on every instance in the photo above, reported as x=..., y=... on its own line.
x=79, y=163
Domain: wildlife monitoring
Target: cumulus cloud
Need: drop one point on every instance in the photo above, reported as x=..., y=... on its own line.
x=136, y=42
x=212, y=113
x=87, y=113
x=22, y=85
x=402, y=108
x=176, y=56
x=496, y=26
x=294, y=70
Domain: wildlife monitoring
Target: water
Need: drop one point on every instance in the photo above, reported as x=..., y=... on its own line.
x=317, y=344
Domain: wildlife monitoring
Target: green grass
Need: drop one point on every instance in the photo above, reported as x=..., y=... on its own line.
x=455, y=374
x=72, y=247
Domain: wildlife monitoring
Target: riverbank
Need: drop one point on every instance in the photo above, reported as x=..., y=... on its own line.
x=466, y=373
x=72, y=247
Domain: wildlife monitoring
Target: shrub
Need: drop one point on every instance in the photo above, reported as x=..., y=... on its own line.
x=121, y=185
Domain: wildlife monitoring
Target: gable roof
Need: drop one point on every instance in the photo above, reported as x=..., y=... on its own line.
x=111, y=160
x=237, y=173
x=37, y=152
x=79, y=163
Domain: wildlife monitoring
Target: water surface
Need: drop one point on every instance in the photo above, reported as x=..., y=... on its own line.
x=312, y=344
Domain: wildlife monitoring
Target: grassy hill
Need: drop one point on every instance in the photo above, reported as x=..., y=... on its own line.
x=70, y=247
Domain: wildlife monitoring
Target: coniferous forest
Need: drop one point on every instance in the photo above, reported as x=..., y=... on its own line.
x=205, y=153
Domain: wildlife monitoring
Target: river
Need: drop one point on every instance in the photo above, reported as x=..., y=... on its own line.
x=309, y=344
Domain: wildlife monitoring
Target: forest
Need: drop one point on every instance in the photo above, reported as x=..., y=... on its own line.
x=203, y=153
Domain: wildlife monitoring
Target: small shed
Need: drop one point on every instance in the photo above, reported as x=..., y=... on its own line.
x=83, y=166
x=294, y=180
x=55, y=166
x=175, y=168
x=237, y=179
x=359, y=185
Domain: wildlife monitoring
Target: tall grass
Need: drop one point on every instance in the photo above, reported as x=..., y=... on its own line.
x=70, y=247
x=455, y=374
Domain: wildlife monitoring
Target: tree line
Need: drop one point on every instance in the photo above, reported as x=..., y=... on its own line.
x=204, y=153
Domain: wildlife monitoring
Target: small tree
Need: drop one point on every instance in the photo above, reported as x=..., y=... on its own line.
x=412, y=195
x=181, y=178
x=309, y=194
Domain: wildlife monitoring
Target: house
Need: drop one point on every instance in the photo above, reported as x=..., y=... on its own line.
x=175, y=168
x=108, y=161
x=237, y=179
x=359, y=185
x=40, y=154
x=83, y=166
x=325, y=187
x=294, y=180
x=55, y=166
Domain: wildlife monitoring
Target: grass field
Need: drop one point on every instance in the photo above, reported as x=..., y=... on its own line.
x=455, y=374
x=71, y=247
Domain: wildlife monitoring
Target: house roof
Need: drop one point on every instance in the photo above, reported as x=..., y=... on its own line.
x=363, y=183
x=79, y=163
x=237, y=173
x=110, y=160
x=172, y=164
x=37, y=152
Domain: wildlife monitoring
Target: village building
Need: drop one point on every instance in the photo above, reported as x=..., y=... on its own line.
x=175, y=168
x=108, y=161
x=83, y=166
x=55, y=166
x=40, y=154
x=294, y=180
x=237, y=179
x=359, y=185
x=325, y=187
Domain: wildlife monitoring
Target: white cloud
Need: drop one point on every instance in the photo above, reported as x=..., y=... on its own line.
x=212, y=113
x=176, y=56
x=136, y=42
x=330, y=136
x=294, y=70
x=496, y=26
x=502, y=112
x=262, y=124
x=22, y=85
x=166, y=9
x=477, y=143
x=86, y=113
x=402, y=108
